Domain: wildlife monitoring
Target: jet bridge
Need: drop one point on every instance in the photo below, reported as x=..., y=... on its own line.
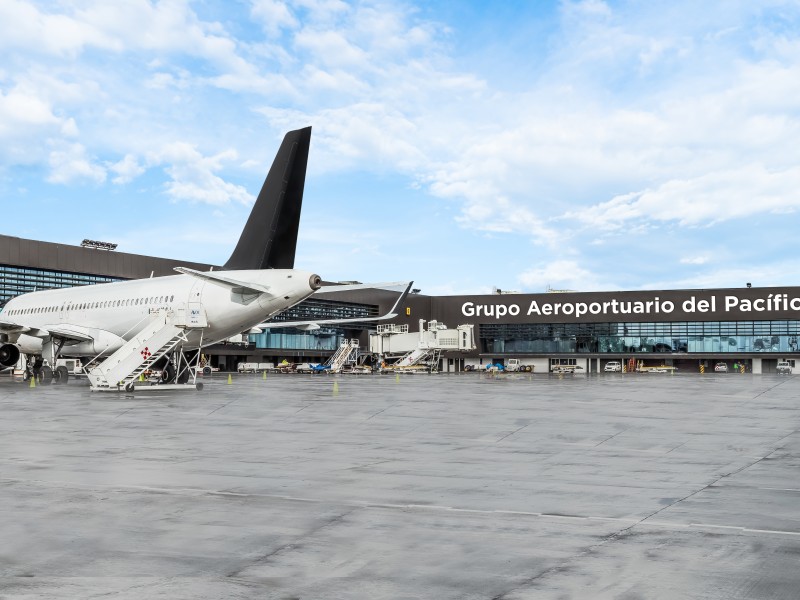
x=399, y=350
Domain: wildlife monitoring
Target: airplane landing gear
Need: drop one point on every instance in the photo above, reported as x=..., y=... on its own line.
x=60, y=375
x=45, y=375
x=168, y=373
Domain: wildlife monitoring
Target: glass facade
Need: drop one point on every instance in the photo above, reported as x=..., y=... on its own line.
x=21, y=280
x=323, y=339
x=626, y=338
x=314, y=309
x=294, y=339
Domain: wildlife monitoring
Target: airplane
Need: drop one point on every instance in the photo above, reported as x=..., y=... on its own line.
x=256, y=283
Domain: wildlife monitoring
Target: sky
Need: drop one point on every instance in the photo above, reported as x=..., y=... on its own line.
x=587, y=145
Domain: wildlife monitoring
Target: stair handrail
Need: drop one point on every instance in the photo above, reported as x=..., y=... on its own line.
x=147, y=316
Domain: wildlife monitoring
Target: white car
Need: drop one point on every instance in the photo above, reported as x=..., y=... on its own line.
x=613, y=366
x=721, y=367
x=784, y=367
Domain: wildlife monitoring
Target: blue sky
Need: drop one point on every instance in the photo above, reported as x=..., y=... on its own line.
x=582, y=145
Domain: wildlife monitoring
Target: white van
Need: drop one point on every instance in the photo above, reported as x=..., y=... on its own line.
x=784, y=367
x=613, y=366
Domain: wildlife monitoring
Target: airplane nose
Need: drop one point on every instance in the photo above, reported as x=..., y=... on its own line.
x=315, y=282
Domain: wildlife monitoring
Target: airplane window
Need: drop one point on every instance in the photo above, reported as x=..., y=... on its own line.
x=171, y=298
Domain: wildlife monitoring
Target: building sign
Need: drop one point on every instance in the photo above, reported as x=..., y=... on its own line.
x=755, y=304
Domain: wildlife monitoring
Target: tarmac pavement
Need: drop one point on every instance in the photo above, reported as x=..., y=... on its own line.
x=635, y=486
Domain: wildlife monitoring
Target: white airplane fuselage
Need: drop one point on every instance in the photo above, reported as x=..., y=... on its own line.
x=113, y=313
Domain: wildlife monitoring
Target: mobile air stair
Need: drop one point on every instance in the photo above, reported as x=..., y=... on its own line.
x=347, y=354
x=163, y=335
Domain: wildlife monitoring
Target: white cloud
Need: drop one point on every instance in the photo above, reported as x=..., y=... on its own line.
x=561, y=275
x=695, y=260
x=273, y=16
x=24, y=26
x=69, y=164
x=193, y=176
x=707, y=199
x=126, y=169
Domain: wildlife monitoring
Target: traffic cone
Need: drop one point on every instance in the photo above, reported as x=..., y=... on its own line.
x=264, y=375
x=33, y=381
x=335, y=388
x=141, y=376
x=230, y=380
x=397, y=377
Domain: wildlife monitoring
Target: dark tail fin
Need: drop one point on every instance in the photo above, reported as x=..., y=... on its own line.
x=269, y=238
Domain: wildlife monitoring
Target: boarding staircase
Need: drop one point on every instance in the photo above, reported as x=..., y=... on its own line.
x=347, y=353
x=157, y=339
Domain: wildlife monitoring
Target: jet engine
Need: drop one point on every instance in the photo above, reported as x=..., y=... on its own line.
x=9, y=355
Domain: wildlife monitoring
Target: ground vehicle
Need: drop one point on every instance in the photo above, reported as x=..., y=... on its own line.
x=613, y=366
x=721, y=367
x=73, y=365
x=565, y=368
x=514, y=365
x=784, y=367
x=254, y=367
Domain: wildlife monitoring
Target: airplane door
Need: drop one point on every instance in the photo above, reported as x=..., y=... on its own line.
x=195, y=312
x=63, y=312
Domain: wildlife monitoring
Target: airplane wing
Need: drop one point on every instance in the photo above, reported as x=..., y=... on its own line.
x=236, y=286
x=72, y=333
x=7, y=326
x=326, y=289
x=311, y=325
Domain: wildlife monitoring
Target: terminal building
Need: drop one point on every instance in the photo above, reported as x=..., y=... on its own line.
x=752, y=328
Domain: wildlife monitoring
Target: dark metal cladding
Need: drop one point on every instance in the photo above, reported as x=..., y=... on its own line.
x=269, y=239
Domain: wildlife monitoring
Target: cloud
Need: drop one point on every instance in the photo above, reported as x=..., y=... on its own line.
x=707, y=199
x=193, y=176
x=563, y=274
x=69, y=164
x=695, y=260
x=126, y=169
x=273, y=16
